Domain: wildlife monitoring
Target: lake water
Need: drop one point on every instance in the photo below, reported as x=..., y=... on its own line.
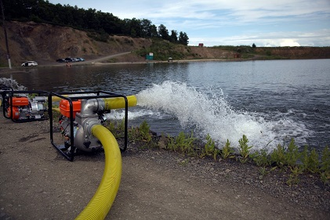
x=268, y=101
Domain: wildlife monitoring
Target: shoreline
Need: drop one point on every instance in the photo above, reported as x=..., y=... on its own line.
x=95, y=62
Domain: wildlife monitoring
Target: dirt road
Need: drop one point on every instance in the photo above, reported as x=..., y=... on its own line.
x=37, y=183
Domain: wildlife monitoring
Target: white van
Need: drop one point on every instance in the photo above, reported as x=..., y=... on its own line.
x=29, y=63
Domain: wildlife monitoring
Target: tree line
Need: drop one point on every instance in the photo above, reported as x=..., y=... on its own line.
x=91, y=20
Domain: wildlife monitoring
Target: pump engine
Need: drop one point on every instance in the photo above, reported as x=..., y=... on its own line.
x=24, y=108
x=80, y=113
x=84, y=140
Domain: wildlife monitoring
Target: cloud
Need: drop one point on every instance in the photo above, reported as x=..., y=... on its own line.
x=215, y=22
x=273, y=39
x=289, y=43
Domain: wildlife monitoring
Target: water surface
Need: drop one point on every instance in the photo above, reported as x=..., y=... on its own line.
x=269, y=101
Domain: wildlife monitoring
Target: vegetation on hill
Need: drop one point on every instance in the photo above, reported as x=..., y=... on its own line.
x=41, y=11
x=44, y=32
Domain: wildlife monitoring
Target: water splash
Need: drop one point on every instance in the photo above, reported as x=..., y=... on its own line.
x=211, y=114
x=120, y=114
x=6, y=83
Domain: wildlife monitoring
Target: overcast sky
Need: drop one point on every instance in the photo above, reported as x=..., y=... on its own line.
x=229, y=22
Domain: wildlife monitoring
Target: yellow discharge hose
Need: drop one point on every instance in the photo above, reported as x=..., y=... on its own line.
x=111, y=103
x=119, y=102
x=99, y=206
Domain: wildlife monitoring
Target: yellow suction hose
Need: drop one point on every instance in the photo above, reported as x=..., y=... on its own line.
x=99, y=206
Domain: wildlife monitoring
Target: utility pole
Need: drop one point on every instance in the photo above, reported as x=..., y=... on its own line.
x=5, y=32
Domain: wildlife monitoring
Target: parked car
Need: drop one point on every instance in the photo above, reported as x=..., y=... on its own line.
x=29, y=63
x=69, y=59
x=79, y=59
x=60, y=60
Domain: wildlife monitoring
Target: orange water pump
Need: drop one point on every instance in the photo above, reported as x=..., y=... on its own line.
x=22, y=107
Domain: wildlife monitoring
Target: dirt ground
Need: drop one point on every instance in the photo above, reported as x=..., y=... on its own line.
x=37, y=183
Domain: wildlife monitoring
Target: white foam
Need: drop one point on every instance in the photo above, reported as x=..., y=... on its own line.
x=11, y=83
x=120, y=114
x=213, y=115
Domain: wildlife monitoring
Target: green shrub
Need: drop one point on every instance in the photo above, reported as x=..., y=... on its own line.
x=244, y=149
x=142, y=133
x=325, y=160
x=305, y=159
x=145, y=132
x=227, y=151
x=117, y=128
x=261, y=158
x=292, y=154
x=278, y=156
x=294, y=175
x=185, y=143
x=325, y=165
x=210, y=148
x=313, y=162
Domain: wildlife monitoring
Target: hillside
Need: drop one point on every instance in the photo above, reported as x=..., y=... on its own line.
x=45, y=43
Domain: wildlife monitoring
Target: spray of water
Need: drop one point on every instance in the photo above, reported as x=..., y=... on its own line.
x=6, y=83
x=211, y=114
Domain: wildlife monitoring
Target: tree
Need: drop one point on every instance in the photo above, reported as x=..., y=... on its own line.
x=136, y=28
x=153, y=31
x=174, y=36
x=163, y=32
x=183, y=38
x=253, y=45
x=90, y=19
x=145, y=27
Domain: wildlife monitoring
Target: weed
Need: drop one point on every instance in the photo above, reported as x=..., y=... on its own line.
x=305, y=158
x=121, y=127
x=313, y=162
x=145, y=132
x=142, y=133
x=185, y=143
x=133, y=134
x=292, y=155
x=278, y=156
x=325, y=177
x=171, y=144
x=227, y=151
x=325, y=160
x=112, y=128
x=325, y=166
x=261, y=158
x=244, y=149
x=294, y=176
x=210, y=148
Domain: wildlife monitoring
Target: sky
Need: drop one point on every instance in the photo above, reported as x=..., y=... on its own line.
x=229, y=22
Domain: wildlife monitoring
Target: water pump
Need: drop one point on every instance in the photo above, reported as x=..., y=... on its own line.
x=80, y=113
x=85, y=115
x=23, y=106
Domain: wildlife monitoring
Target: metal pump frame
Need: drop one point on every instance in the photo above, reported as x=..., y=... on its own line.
x=99, y=94
x=6, y=104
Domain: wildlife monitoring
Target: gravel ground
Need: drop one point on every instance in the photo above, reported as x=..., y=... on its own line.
x=37, y=183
